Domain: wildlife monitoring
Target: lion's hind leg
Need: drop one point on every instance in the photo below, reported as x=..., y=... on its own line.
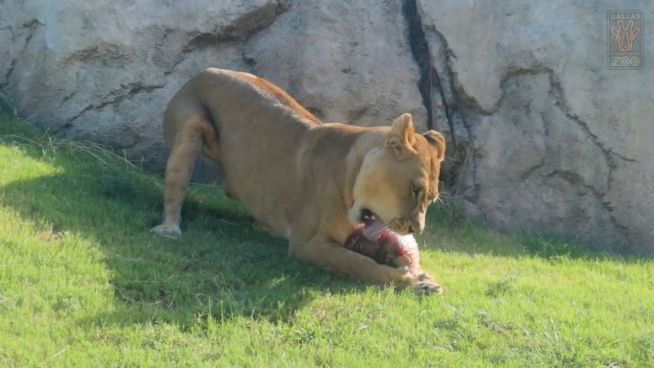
x=188, y=144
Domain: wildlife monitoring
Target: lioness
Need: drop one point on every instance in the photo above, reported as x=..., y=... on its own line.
x=306, y=180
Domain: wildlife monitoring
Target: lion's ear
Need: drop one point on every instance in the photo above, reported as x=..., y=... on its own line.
x=401, y=137
x=437, y=140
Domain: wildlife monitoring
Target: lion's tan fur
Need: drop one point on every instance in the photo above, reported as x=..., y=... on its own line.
x=304, y=179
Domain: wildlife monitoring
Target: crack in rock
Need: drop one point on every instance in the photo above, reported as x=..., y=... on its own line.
x=528, y=172
x=450, y=79
x=611, y=157
x=559, y=97
x=464, y=165
x=242, y=28
x=68, y=97
x=420, y=52
x=510, y=74
x=31, y=29
x=608, y=153
x=575, y=179
x=117, y=97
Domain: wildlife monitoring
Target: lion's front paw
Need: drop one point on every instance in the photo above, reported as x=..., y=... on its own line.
x=425, y=284
x=168, y=231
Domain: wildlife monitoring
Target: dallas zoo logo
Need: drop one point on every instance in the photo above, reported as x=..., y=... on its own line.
x=625, y=39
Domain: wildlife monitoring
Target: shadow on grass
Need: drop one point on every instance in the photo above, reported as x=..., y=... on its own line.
x=224, y=265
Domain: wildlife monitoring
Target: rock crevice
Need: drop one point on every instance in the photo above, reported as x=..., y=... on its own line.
x=114, y=98
x=29, y=29
x=420, y=52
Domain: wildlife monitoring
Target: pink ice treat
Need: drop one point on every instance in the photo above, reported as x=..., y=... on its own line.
x=385, y=247
x=405, y=249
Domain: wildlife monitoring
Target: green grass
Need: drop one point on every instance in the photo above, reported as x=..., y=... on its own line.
x=83, y=283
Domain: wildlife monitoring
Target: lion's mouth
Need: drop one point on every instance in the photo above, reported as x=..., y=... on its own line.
x=373, y=226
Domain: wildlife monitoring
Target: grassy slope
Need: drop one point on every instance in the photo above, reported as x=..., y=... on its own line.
x=82, y=283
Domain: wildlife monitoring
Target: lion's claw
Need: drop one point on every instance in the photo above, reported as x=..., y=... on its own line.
x=426, y=285
x=424, y=288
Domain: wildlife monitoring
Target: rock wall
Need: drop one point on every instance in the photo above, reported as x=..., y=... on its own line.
x=560, y=142
x=544, y=136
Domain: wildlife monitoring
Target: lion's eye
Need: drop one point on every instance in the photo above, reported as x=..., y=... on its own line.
x=416, y=190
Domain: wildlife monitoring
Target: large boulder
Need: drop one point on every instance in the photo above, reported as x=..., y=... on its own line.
x=560, y=142
x=104, y=70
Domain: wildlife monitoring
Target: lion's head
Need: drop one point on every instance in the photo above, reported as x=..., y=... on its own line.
x=399, y=179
